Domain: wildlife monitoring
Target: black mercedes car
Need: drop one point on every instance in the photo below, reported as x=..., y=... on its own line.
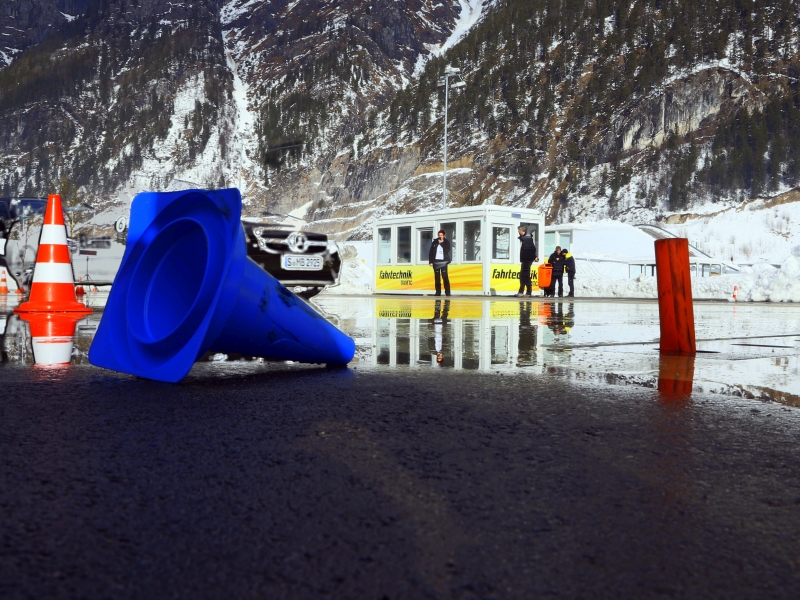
x=304, y=261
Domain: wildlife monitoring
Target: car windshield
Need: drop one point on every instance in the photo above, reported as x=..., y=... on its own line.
x=25, y=207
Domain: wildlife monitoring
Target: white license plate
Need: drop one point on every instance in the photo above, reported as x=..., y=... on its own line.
x=295, y=262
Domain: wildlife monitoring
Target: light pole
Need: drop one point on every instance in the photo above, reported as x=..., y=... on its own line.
x=444, y=80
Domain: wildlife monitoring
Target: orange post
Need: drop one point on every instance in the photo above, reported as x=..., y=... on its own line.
x=675, y=308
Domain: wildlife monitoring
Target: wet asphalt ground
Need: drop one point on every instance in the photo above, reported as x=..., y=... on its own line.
x=289, y=481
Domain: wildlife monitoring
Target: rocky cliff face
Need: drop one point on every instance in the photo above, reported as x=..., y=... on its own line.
x=25, y=23
x=685, y=106
x=321, y=72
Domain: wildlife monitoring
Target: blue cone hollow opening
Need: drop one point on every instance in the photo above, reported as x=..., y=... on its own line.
x=178, y=253
x=186, y=286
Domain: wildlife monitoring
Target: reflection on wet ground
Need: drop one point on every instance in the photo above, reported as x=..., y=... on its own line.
x=48, y=338
x=750, y=350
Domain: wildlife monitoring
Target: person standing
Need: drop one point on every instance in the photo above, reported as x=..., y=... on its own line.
x=557, y=260
x=527, y=256
x=439, y=257
x=569, y=267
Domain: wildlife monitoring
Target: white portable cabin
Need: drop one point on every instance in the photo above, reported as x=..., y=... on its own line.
x=484, y=245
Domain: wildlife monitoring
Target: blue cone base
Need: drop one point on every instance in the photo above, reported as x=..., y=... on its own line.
x=186, y=286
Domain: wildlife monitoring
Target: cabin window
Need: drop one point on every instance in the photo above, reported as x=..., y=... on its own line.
x=425, y=238
x=565, y=239
x=549, y=243
x=403, y=245
x=385, y=246
x=501, y=243
x=450, y=233
x=472, y=241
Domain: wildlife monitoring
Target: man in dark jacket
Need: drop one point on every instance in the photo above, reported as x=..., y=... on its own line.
x=557, y=260
x=439, y=257
x=527, y=256
x=569, y=267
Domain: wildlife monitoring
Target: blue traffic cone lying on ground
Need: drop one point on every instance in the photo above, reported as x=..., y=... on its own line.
x=186, y=287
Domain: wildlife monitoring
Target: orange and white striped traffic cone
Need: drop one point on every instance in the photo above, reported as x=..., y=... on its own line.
x=735, y=292
x=53, y=286
x=3, y=283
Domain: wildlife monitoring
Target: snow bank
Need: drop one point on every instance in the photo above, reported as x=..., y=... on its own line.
x=755, y=232
x=759, y=283
x=777, y=285
x=612, y=241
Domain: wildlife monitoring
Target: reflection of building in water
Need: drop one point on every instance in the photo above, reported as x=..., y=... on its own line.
x=468, y=333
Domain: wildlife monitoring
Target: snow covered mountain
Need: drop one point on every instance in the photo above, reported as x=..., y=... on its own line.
x=644, y=110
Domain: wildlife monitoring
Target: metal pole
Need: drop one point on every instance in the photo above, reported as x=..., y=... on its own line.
x=444, y=172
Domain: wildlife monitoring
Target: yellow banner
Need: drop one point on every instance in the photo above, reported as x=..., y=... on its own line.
x=424, y=308
x=419, y=278
x=505, y=278
x=457, y=308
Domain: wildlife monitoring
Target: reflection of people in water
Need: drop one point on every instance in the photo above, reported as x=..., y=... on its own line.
x=526, y=348
x=560, y=323
x=437, y=341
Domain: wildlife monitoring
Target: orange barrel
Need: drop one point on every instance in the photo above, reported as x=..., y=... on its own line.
x=545, y=276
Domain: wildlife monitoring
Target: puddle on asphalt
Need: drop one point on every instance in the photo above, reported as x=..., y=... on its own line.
x=748, y=350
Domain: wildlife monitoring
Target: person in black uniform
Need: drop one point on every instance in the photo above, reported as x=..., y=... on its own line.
x=439, y=257
x=557, y=260
x=527, y=256
x=569, y=267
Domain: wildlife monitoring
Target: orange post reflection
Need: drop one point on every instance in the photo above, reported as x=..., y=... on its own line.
x=675, y=375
